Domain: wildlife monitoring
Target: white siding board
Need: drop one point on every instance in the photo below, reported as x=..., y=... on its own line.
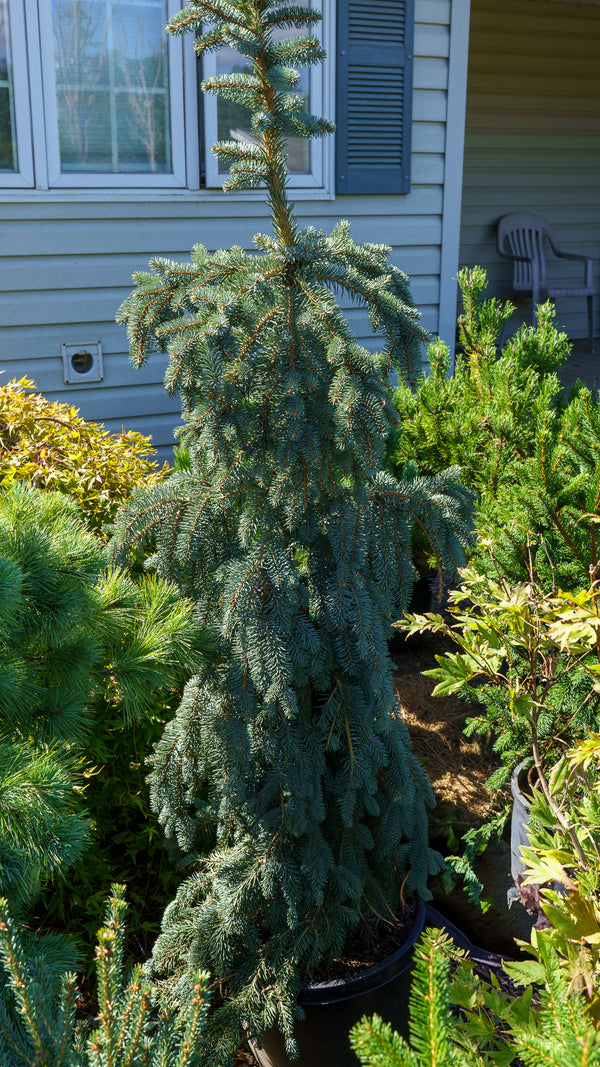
x=431, y=40
x=430, y=72
x=436, y=11
x=429, y=136
x=429, y=106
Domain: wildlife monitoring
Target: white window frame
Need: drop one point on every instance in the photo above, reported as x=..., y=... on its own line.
x=103, y=179
x=23, y=177
x=312, y=179
x=36, y=118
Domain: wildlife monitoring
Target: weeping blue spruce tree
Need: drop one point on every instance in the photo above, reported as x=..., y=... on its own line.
x=296, y=546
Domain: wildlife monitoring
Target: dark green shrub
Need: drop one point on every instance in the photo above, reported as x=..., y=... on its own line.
x=70, y=633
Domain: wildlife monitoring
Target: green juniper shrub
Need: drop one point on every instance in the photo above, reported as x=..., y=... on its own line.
x=70, y=631
x=484, y=417
x=296, y=546
x=49, y=446
x=39, y=1026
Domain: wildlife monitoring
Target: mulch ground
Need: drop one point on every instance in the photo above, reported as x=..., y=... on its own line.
x=457, y=766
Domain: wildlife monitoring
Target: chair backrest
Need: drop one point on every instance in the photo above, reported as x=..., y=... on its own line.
x=523, y=235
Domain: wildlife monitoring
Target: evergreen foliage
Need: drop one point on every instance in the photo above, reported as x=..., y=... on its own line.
x=548, y=522
x=296, y=546
x=69, y=631
x=485, y=417
x=532, y=458
x=492, y=1029
x=48, y=445
x=38, y=1025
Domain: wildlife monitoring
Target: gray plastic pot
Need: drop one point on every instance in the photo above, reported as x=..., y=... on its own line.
x=519, y=824
x=332, y=1008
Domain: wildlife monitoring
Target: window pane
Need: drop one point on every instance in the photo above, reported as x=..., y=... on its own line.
x=112, y=85
x=8, y=148
x=233, y=120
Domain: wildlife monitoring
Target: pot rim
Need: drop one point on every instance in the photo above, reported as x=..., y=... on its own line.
x=374, y=977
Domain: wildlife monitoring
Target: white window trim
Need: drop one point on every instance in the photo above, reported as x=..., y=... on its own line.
x=313, y=179
x=23, y=177
x=101, y=179
x=37, y=124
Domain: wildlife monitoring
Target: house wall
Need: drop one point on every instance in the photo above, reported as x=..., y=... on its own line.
x=532, y=138
x=66, y=259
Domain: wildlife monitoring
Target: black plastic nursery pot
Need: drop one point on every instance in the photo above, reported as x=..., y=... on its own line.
x=332, y=1008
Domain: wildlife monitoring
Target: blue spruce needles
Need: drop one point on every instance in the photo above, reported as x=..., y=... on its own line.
x=287, y=755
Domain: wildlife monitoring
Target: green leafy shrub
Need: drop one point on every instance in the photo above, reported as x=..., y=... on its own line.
x=528, y=658
x=562, y=876
x=50, y=446
x=38, y=1021
x=295, y=545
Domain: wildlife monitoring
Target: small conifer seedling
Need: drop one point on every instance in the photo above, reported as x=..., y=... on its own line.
x=296, y=546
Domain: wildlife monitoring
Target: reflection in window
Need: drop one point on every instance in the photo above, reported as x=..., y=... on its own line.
x=112, y=85
x=8, y=148
x=233, y=120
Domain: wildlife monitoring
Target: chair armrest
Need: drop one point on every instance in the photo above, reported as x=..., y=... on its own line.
x=581, y=259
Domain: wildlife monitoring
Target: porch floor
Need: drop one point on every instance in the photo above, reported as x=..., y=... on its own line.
x=582, y=364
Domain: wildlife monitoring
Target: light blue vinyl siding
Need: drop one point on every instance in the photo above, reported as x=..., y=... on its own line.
x=66, y=260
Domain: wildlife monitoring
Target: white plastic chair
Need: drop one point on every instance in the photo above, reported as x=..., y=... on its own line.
x=521, y=238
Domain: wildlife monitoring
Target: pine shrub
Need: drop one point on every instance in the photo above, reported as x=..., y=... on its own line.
x=70, y=631
x=39, y=1026
x=485, y=416
x=547, y=521
x=49, y=446
x=531, y=455
x=550, y=1028
x=296, y=546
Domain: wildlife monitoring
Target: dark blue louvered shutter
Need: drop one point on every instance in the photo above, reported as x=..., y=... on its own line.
x=374, y=95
